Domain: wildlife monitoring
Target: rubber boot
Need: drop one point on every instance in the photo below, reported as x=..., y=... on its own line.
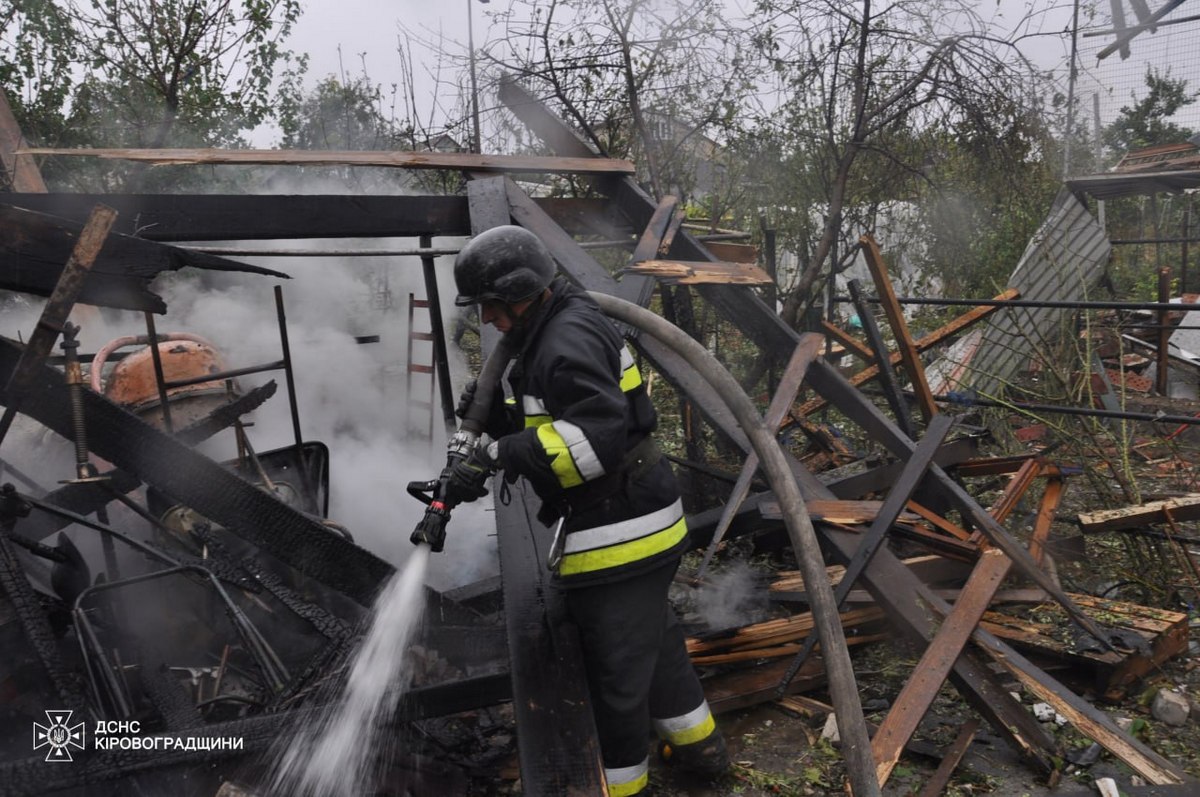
x=707, y=757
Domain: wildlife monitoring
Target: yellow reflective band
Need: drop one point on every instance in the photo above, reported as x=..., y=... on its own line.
x=560, y=455
x=625, y=781
x=625, y=552
x=630, y=788
x=631, y=377
x=696, y=733
x=534, y=421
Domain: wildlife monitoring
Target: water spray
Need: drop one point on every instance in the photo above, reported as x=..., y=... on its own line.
x=431, y=529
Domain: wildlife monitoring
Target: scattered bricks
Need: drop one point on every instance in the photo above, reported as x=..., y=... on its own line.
x=1170, y=707
x=1135, y=382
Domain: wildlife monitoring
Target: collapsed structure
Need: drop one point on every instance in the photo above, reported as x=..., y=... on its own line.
x=268, y=599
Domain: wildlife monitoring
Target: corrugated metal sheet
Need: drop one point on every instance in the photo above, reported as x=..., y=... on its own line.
x=1063, y=261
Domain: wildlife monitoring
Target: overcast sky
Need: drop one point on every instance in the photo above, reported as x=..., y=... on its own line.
x=367, y=30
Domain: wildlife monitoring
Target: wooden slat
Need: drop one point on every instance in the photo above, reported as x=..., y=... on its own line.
x=922, y=344
x=941, y=777
x=936, y=662
x=851, y=343
x=1185, y=507
x=678, y=272
x=1051, y=498
x=785, y=396
x=465, y=161
x=895, y=316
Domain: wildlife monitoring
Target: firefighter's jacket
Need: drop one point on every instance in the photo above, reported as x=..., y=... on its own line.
x=579, y=432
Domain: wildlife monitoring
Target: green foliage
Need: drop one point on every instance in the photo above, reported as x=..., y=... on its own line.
x=1147, y=123
x=144, y=73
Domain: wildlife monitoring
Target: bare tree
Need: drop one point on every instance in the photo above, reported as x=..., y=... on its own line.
x=638, y=78
x=860, y=92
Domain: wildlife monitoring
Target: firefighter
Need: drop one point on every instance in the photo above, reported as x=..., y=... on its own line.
x=579, y=429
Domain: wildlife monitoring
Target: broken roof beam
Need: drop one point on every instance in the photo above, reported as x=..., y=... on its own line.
x=465, y=161
x=246, y=217
x=34, y=246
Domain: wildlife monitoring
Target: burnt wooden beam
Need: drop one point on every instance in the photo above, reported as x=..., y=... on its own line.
x=954, y=754
x=639, y=291
x=34, y=247
x=466, y=161
x=242, y=217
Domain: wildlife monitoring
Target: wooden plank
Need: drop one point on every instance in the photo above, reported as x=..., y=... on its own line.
x=935, y=338
x=466, y=161
x=851, y=343
x=939, y=522
x=895, y=315
x=1051, y=498
x=893, y=505
x=1112, y=673
x=931, y=671
x=558, y=749
x=639, y=289
x=678, y=272
x=556, y=733
x=23, y=173
x=941, y=777
x=749, y=686
x=770, y=633
x=1186, y=507
x=1087, y=719
x=785, y=396
x=1015, y=490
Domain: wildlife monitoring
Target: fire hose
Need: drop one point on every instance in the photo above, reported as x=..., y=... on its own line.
x=431, y=529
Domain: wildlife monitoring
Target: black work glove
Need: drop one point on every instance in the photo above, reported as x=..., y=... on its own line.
x=467, y=478
x=498, y=422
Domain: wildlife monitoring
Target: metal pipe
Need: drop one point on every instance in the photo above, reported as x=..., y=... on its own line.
x=1060, y=304
x=856, y=743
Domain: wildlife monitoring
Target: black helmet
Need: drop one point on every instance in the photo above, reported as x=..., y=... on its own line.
x=508, y=263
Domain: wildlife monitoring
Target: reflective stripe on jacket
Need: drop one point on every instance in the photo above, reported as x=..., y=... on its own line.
x=582, y=407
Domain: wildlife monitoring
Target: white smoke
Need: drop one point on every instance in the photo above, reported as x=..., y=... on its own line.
x=350, y=396
x=730, y=597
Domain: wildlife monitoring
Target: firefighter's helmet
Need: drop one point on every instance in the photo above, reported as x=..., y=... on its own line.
x=507, y=263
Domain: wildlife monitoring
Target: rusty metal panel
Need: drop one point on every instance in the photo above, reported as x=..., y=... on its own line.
x=1063, y=261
